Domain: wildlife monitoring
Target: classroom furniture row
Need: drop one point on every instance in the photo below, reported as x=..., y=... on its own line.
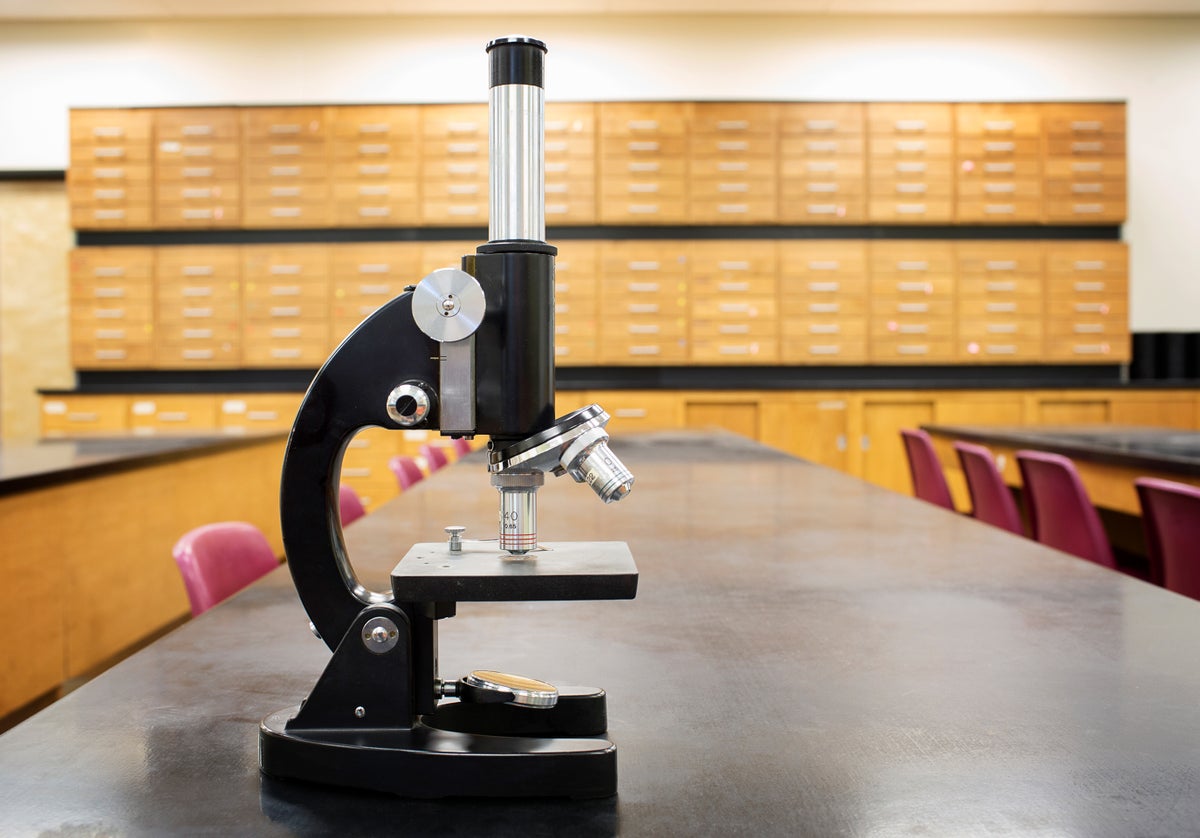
x=625, y=303
x=619, y=163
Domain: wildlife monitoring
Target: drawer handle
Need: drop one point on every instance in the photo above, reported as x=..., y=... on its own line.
x=643, y=287
x=911, y=146
x=562, y=308
x=734, y=265
x=736, y=308
x=824, y=265
x=644, y=167
x=285, y=353
x=1000, y=308
x=910, y=168
x=557, y=146
x=198, y=172
x=1001, y=328
x=824, y=287
x=374, y=148
x=733, y=125
x=645, y=145
x=911, y=188
x=110, y=314
x=110, y=354
x=557, y=125
x=1001, y=286
x=110, y=334
x=820, y=166
x=821, y=209
x=823, y=187
x=553, y=168
x=642, y=125
x=284, y=150
x=197, y=193
x=630, y=413
x=197, y=290
x=644, y=329
x=198, y=270
x=643, y=209
x=1087, y=209
x=999, y=147
x=999, y=168
x=197, y=312
x=913, y=329
x=285, y=212
x=733, y=209
x=1089, y=328
x=285, y=290
x=910, y=209
x=374, y=212
x=463, y=210
x=824, y=329
x=374, y=191
x=193, y=355
x=1090, y=265
x=197, y=334
x=999, y=125
x=910, y=125
x=284, y=171
x=913, y=349
x=735, y=166
x=999, y=188
x=462, y=148
x=108, y=153
x=1089, y=286
x=108, y=272
x=733, y=187
x=828, y=349
x=1087, y=125
x=108, y=293
x=919, y=287
x=733, y=329
x=1090, y=349
x=197, y=151
x=198, y=214
x=108, y=132
x=557, y=188
x=462, y=168
x=824, y=308
x=913, y=265
x=1001, y=265
x=1000, y=349
x=285, y=191
x=285, y=270
x=285, y=334
x=1091, y=308
x=462, y=127
x=732, y=145
x=108, y=194
x=912, y=308
x=284, y=128
x=642, y=308
x=374, y=128
x=738, y=349
x=820, y=124
x=1087, y=148
x=1088, y=168
x=733, y=286
x=374, y=290
x=643, y=187
x=374, y=169
x=999, y=209
x=556, y=209
x=1087, y=188
x=108, y=215
x=645, y=350
x=285, y=311
x=82, y=417
x=109, y=174
x=821, y=146
x=463, y=189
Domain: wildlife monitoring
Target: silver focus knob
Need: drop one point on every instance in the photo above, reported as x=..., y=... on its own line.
x=408, y=405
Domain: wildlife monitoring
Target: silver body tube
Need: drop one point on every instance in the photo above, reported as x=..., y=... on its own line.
x=516, y=148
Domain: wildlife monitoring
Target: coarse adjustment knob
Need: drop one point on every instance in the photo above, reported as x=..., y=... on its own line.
x=408, y=405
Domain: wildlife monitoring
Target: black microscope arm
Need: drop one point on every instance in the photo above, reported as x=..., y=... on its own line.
x=349, y=393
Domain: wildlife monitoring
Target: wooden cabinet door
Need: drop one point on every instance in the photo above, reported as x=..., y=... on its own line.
x=884, y=462
x=739, y=416
x=1161, y=412
x=1084, y=410
x=813, y=428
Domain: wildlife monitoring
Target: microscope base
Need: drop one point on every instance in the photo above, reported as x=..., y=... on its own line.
x=425, y=762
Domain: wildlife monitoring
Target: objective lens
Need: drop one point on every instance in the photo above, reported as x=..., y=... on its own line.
x=603, y=470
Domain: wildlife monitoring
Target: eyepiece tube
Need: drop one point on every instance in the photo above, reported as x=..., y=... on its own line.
x=516, y=142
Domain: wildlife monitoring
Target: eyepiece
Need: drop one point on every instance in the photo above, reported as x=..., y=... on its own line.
x=516, y=59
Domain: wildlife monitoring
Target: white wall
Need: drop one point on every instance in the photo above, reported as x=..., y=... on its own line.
x=1154, y=63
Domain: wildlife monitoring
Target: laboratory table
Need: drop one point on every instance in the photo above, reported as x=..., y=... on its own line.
x=807, y=655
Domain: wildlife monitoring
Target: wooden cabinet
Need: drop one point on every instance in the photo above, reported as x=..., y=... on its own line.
x=79, y=415
x=285, y=305
x=822, y=164
x=643, y=163
x=286, y=172
x=644, y=303
x=1085, y=163
x=883, y=458
x=109, y=179
x=576, y=295
x=998, y=163
x=112, y=308
x=376, y=160
x=1087, y=302
x=570, y=146
x=454, y=165
x=815, y=426
x=910, y=155
x=365, y=276
x=734, y=312
x=823, y=292
x=912, y=302
x=198, y=308
x=733, y=161
x=1000, y=302
x=197, y=168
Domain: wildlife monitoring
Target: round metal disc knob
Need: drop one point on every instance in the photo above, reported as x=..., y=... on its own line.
x=448, y=305
x=525, y=692
x=408, y=405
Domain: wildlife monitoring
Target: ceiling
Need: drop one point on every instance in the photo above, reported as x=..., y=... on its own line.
x=217, y=9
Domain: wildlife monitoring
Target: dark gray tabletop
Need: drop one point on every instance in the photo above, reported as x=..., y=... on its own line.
x=807, y=655
x=1157, y=449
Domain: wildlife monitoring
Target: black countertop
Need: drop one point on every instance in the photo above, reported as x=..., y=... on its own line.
x=807, y=655
x=47, y=462
x=1155, y=449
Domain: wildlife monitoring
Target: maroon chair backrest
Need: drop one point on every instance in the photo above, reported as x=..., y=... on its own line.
x=217, y=560
x=407, y=471
x=929, y=481
x=462, y=446
x=1171, y=517
x=434, y=456
x=1060, y=512
x=991, y=500
x=350, y=505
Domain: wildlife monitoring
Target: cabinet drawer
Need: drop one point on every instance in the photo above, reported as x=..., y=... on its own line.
x=822, y=170
x=897, y=309
x=1015, y=287
x=998, y=211
x=285, y=172
x=1085, y=190
x=198, y=292
x=259, y=333
x=279, y=354
x=910, y=147
x=905, y=350
x=298, y=192
x=83, y=175
x=737, y=310
x=261, y=126
x=644, y=169
x=644, y=189
x=746, y=190
x=286, y=262
x=293, y=214
x=380, y=191
x=191, y=125
x=570, y=118
x=1087, y=329
x=1085, y=168
x=821, y=119
x=197, y=354
x=375, y=123
x=640, y=410
x=977, y=149
x=112, y=265
x=1111, y=351
x=735, y=351
x=734, y=119
x=564, y=189
x=198, y=264
x=84, y=217
x=1088, y=288
x=1086, y=212
x=732, y=211
x=452, y=121
x=725, y=286
x=1116, y=308
x=172, y=413
x=999, y=350
x=1078, y=147
x=997, y=171
x=847, y=150
x=111, y=195
x=1085, y=120
x=1008, y=189
x=1001, y=329
x=351, y=296
x=134, y=156
x=755, y=168
x=199, y=313
x=571, y=210
x=747, y=329
x=915, y=287
x=184, y=173
x=561, y=169
x=372, y=262
x=911, y=259
x=733, y=146
x=824, y=327
x=1087, y=260
x=568, y=328
x=102, y=334
x=80, y=415
x=823, y=188
x=999, y=260
x=257, y=412
x=913, y=170
x=643, y=350
x=910, y=190
x=285, y=311
x=998, y=120
x=346, y=170
x=455, y=212
x=568, y=310
x=364, y=213
x=909, y=118
x=87, y=355
x=109, y=125
x=824, y=349
x=910, y=212
x=831, y=306
x=573, y=352
x=197, y=215
x=620, y=151
x=840, y=211
x=196, y=153
x=733, y=260
x=218, y=331
x=636, y=119
x=614, y=210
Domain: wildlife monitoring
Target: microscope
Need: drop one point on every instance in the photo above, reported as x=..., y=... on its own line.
x=463, y=352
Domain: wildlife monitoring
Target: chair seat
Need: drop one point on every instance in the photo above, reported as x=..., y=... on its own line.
x=991, y=499
x=407, y=470
x=929, y=481
x=1171, y=520
x=218, y=560
x=1060, y=512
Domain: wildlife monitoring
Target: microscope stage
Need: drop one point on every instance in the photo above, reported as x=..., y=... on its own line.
x=482, y=572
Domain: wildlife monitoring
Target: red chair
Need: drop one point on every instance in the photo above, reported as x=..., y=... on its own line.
x=991, y=500
x=406, y=470
x=1060, y=512
x=434, y=456
x=217, y=560
x=1171, y=518
x=929, y=481
x=462, y=446
x=350, y=506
